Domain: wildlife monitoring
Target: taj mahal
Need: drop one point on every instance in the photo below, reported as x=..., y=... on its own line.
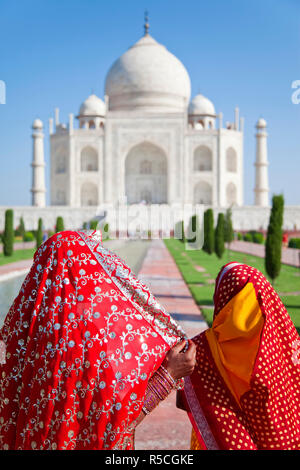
x=148, y=142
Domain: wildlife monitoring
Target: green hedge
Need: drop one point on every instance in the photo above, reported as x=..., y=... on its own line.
x=28, y=237
x=294, y=243
x=59, y=224
x=248, y=237
x=258, y=238
x=254, y=237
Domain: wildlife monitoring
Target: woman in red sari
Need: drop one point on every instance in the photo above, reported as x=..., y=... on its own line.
x=245, y=389
x=85, y=341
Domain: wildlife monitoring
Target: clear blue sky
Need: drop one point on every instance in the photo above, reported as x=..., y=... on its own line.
x=244, y=53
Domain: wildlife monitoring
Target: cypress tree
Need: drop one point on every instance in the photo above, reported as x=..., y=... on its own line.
x=105, y=231
x=39, y=233
x=274, y=238
x=228, y=229
x=93, y=224
x=219, y=236
x=209, y=243
x=193, y=230
x=59, y=224
x=182, y=239
x=22, y=228
x=179, y=231
x=8, y=236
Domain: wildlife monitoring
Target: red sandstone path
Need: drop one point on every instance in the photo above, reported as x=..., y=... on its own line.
x=289, y=256
x=15, y=269
x=167, y=427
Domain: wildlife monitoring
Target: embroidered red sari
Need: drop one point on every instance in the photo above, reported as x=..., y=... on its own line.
x=244, y=392
x=82, y=339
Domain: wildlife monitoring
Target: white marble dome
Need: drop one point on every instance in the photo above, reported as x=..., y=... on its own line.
x=148, y=77
x=201, y=106
x=92, y=106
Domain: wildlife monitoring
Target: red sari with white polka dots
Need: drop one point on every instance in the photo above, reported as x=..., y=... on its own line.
x=267, y=415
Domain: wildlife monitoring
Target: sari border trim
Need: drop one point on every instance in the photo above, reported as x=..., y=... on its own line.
x=197, y=417
x=148, y=306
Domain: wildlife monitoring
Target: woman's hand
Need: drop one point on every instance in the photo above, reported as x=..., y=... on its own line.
x=178, y=363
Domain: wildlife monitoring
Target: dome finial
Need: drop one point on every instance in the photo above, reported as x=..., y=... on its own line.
x=146, y=24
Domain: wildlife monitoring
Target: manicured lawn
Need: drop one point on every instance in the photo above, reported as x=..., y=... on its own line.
x=18, y=255
x=201, y=284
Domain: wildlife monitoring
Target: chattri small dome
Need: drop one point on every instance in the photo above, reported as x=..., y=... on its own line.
x=261, y=123
x=201, y=106
x=37, y=124
x=92, y=106
x=148, y=77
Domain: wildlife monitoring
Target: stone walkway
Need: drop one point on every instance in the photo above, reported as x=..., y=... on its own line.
x=168, y=427
x=10, y=270
x=289, y=256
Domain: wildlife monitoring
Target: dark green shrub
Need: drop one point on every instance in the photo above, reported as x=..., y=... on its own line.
x=59, y=224
x=179, y=231
x=219, y=236
x=294, y=243
x=105, y=231
x=39, y=233
x=274, y=238
x=228, y=228
x=239, y=236
x=22, y=227
x=93, y=224
x=28, y=237
x=209, y=240
x=195, y=234
x=8, y=235
x=258, y=238
x=20, y=230
x=248, y=237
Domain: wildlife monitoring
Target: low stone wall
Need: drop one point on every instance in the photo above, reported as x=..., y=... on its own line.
x=244, y=218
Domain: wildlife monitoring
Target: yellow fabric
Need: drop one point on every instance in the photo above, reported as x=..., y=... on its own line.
x=234, y=339
x=195, y=444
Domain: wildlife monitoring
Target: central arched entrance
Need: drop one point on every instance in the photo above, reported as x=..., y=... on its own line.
x=146, y=175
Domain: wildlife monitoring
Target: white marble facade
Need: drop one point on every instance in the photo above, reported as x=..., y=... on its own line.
x=146, y=141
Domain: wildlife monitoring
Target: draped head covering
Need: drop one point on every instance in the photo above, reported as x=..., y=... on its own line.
x=245, y=389
x=82, y=339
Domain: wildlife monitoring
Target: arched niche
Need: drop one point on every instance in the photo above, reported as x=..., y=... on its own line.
x=88, y=194
x=231, y=194
x=203, y=193
x=89, y=159
x=202, y=159
x=146, y=174
x=231, y=160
